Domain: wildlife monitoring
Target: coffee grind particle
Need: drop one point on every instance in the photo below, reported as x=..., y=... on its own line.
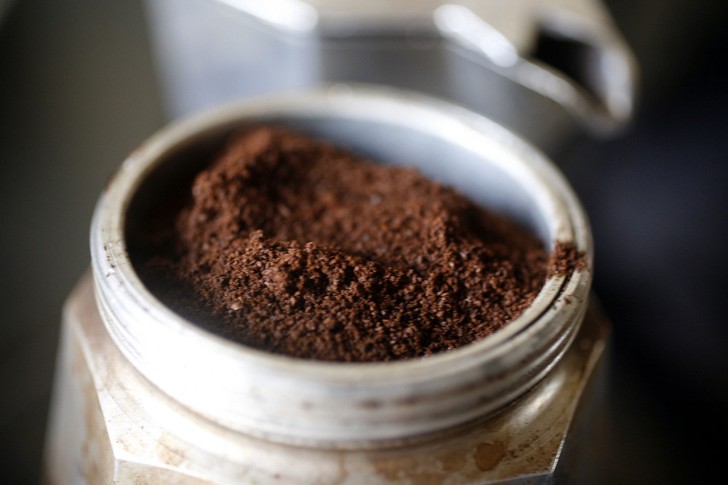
x=296, y=247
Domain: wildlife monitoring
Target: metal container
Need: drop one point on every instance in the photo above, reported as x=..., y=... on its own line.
x=551, y=70
x=142, y=395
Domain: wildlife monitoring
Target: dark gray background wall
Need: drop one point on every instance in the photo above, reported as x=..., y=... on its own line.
x=78, y=91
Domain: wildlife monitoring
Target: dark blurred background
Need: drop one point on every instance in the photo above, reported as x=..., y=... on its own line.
x=78, y=91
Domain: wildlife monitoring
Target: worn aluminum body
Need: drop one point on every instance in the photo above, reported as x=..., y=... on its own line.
x=110, y=425
x=144, y=394
x=550, y=70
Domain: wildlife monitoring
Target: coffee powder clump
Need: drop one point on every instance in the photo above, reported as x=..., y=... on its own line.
x=294, y=246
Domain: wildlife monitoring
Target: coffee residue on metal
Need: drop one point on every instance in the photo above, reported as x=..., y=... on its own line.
x=293, y=246
x=565, y=259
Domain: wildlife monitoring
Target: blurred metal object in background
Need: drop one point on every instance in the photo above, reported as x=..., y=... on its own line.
x=550, y=70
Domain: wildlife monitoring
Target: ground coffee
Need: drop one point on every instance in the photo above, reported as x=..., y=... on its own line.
x=296, y=247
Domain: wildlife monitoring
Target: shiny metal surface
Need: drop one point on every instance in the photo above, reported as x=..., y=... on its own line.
x=503, y=34
x=483, y=54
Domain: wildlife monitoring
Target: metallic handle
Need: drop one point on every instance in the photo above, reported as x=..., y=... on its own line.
x=566, y=50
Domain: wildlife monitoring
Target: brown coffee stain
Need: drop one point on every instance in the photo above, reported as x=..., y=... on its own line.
x=488, y=455
x=453, y=463
x=168, y=453
x=427, y=478
x=391, y=469
x=370, y=404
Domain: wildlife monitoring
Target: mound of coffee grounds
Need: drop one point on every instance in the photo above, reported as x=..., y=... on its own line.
x=297, y=247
